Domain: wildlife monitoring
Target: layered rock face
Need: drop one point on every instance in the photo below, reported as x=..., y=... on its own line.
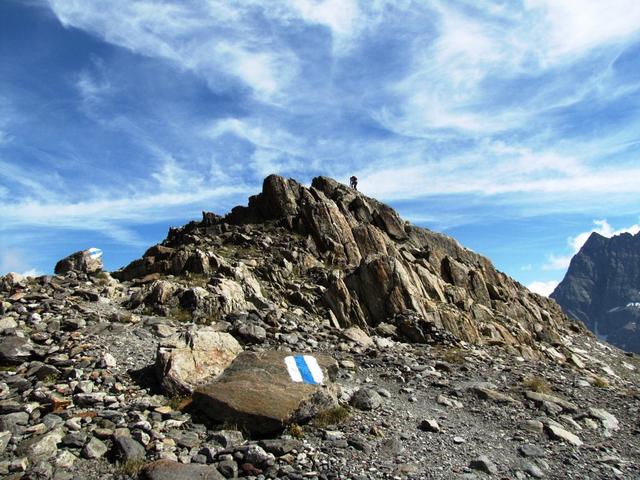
x=602, y=288
x=341, y=255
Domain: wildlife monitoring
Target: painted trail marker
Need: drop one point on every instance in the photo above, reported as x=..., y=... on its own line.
x=304, y=369
x=94, y=252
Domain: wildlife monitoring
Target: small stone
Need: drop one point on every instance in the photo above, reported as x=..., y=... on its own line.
x=65, y=459
x=94, y=449
x=281, y=446
x=533, y=426
x=483, y=464
x=449, y=402
x=5, y=437
x=228, y=438
x=359, y=444
x=366, y=399
x=332, y=435
x=41, y=447
x=458, y=440
x=348, y=364
x=14, y=422
x=533, y=470
x=609, y=421
x=107, y=361
x=558, y=433
x=430, y=425
x=530, y=450
x=129, y=449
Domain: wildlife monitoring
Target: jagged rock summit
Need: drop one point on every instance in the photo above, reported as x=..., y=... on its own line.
x=341, y=255
x=602, y=288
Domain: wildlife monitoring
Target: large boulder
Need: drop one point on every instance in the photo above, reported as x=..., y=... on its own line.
x=263, y=392
x=87, y=261
x=189, y=359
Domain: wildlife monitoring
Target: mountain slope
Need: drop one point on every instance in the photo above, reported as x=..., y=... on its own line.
x=226, y=352
x=602, y=288
x=341, y=255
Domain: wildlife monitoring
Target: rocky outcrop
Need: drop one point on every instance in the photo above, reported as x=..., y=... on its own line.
x=344, y=256
x=86, y=261
x=602, y=288
x=259, y=394
x=446, y=365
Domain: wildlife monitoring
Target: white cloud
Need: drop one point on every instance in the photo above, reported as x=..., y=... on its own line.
x=572, y=26
x=341, y=16
x=212, y=39
x=543, y=288
x=451, y=84
x=16, y=260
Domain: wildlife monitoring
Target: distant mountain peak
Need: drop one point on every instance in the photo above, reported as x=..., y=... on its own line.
x=602, y=284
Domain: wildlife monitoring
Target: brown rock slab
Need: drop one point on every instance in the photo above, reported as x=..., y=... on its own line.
x=258, y=393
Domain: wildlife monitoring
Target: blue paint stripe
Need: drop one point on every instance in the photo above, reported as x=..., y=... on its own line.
x=305, y=373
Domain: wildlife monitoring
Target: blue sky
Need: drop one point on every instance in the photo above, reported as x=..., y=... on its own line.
x=513, y=126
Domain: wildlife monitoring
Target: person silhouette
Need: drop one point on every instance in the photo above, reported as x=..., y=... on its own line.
x=354, y=182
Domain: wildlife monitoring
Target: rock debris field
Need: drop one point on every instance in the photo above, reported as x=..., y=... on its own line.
x=312, y=334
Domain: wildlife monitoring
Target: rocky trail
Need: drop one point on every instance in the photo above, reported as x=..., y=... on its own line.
x=310, y=335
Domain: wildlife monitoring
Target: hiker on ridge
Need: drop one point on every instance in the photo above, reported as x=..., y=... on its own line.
x=354, y=182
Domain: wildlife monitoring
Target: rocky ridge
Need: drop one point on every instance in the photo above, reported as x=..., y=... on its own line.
x=435, y=365
x=602, y=288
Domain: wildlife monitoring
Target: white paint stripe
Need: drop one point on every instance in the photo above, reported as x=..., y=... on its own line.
x=294, y=373
x=314, y=368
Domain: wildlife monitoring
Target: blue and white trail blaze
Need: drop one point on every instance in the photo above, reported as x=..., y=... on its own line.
x=304, y=369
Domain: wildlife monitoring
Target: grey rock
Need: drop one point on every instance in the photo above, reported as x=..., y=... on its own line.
x=530, y=450
x=533, y=470
x=190, y=359
x=483, y=464
x=128, y=449
x=5, y=437
x=366, y=399
x=559, y=433
x=170, y=470
x=14, y=422
x=228, y=438
x=15, y=350
x=228, y=468
x=41, y=447
x=430, y=425
x=281, y=446
x=94, y=449
x=609, y=421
